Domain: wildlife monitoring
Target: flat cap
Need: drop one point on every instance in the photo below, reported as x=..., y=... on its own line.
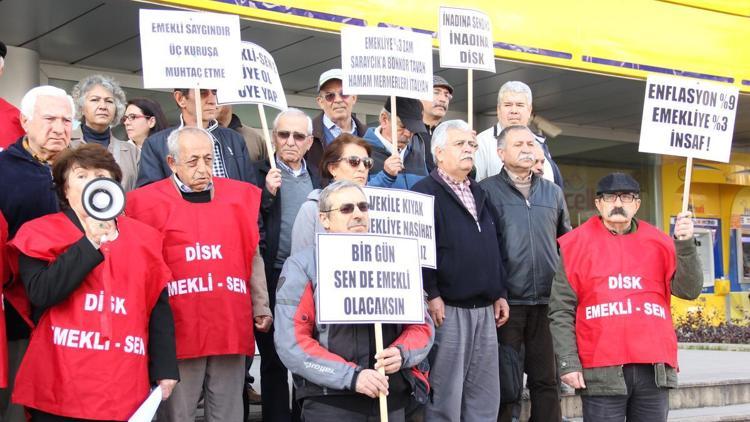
x=617, y=182
x=440, y=81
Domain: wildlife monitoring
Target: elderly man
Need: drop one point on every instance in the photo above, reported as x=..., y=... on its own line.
x=210, y=228
x=285, y=190
x=610, y=307
x=539, y=160
x=230, y=154
x=513, y=108
x=466, y=293
x=335, y=367
x=26, y=192
x=434, y=112
x=336, y=117
x=10, y=123
x=532, y=214
x=403, y=164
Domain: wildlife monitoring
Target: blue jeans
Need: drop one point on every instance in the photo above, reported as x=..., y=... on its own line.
x=644, y=402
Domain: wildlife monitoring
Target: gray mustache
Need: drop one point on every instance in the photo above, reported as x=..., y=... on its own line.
x=618, y=210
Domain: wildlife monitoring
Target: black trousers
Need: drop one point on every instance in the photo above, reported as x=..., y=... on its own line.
x=645, y=402
x=528, y=326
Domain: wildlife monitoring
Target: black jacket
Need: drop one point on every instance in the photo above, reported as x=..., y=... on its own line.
x=530, y=230
x=270, y=216
x=315, y=153
x=469, y=266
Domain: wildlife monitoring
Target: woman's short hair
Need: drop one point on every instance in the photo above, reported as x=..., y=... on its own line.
x=335, y=149
x=89, y=156
x=88, y=83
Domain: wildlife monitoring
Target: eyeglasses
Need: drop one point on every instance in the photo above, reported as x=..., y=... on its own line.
x=443, y=92
x=348, y=208
x=204, y=92
x=331, y=96
x=130, y=117
x=354, y=161
x=472, y=143
x=284, y=135
x=624, y=197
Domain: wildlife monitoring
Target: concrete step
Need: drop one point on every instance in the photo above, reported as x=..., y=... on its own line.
x=734, y=413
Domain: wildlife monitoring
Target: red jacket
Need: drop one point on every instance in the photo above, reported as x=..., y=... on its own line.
x=10, y=124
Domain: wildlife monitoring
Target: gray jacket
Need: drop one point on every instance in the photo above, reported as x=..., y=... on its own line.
x=686, y=283
x=530, y=229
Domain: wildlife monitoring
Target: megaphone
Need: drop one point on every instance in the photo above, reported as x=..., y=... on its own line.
x=103, y=199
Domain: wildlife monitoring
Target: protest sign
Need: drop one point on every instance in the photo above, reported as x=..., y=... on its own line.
x=260, y=83
x=465, y=39
x=368, y=278
x=386, y=61
x=688, y=118
x=397, y=212
x=189, y=49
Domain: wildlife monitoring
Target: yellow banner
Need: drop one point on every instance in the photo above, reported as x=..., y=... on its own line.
x=705, y=39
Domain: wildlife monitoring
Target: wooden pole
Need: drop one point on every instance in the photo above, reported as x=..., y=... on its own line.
x=198, y=108
x=394, y=136
x=266, y=136
x=379, y=348
x=470, y=99
x=686, y=191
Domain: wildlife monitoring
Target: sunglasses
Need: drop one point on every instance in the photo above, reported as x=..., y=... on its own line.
x=284, y=134
x=331, y=96
x=354, y=161
x=348, y=208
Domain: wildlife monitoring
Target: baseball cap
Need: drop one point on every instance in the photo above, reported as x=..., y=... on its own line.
x=328, y=75
x=409, y=111
x=440, y=81
x=617, y=182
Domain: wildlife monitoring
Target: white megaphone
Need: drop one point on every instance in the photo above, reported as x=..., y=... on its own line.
x=103, y=199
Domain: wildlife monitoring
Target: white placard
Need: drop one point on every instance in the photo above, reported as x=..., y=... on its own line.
x=688, y=118
x=189, y=49
x=147, y=410
x=465, y=39
x=260, y=83
x=386, y=61
x=368, y=278
x=397, y=212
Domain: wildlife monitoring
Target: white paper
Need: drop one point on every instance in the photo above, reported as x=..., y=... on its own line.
x=260, y=83
x=465, y=39
x=386, y=61
x=146, y=412
x=189, y=49
x=368, y=278
x=688, y=118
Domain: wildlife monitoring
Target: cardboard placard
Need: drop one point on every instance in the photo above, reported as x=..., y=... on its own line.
x=465, y=39
x=260, y=83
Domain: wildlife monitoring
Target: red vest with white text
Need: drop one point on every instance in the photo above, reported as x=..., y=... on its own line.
x=623, y=287
x=87, y=357
x=209, y=247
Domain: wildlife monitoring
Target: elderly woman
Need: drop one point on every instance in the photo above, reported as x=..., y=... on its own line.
x=346, y=158
x=100, y=104
x=104, y=329
x=143, y=117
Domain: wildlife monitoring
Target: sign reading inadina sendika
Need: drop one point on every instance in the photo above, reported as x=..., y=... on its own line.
x=688, y=118
x=397, y=212
x=189, y=49
x=260, y=83
x=465, y=39
x=368, y=278
x=386, y=61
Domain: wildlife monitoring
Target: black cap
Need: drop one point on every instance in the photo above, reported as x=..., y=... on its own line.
x=409, y=111
x=3, y=49
x=617, y=182
x=440, y=81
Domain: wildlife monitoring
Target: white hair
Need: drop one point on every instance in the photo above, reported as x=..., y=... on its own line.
x=507, y=130
x=291, y=111
x=516, y=87
x=440, y=134
x=28, y=102
x=173, y=140
x=324, y=201
x=88, y=83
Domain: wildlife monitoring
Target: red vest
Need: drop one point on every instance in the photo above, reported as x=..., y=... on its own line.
x=209, y=247
x=87, y=357
x=4, y=274
x=623, y=289
x=10, y=124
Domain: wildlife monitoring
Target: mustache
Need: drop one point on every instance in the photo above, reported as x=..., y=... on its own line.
x=618, y=210
x=525, y=156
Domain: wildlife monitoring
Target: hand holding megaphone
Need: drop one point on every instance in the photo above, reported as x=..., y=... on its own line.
x=103, y=199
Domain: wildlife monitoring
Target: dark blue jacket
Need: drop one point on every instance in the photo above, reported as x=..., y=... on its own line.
x=26, y=189
x=415, y=168
x=469, y=265
x=153, y=166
